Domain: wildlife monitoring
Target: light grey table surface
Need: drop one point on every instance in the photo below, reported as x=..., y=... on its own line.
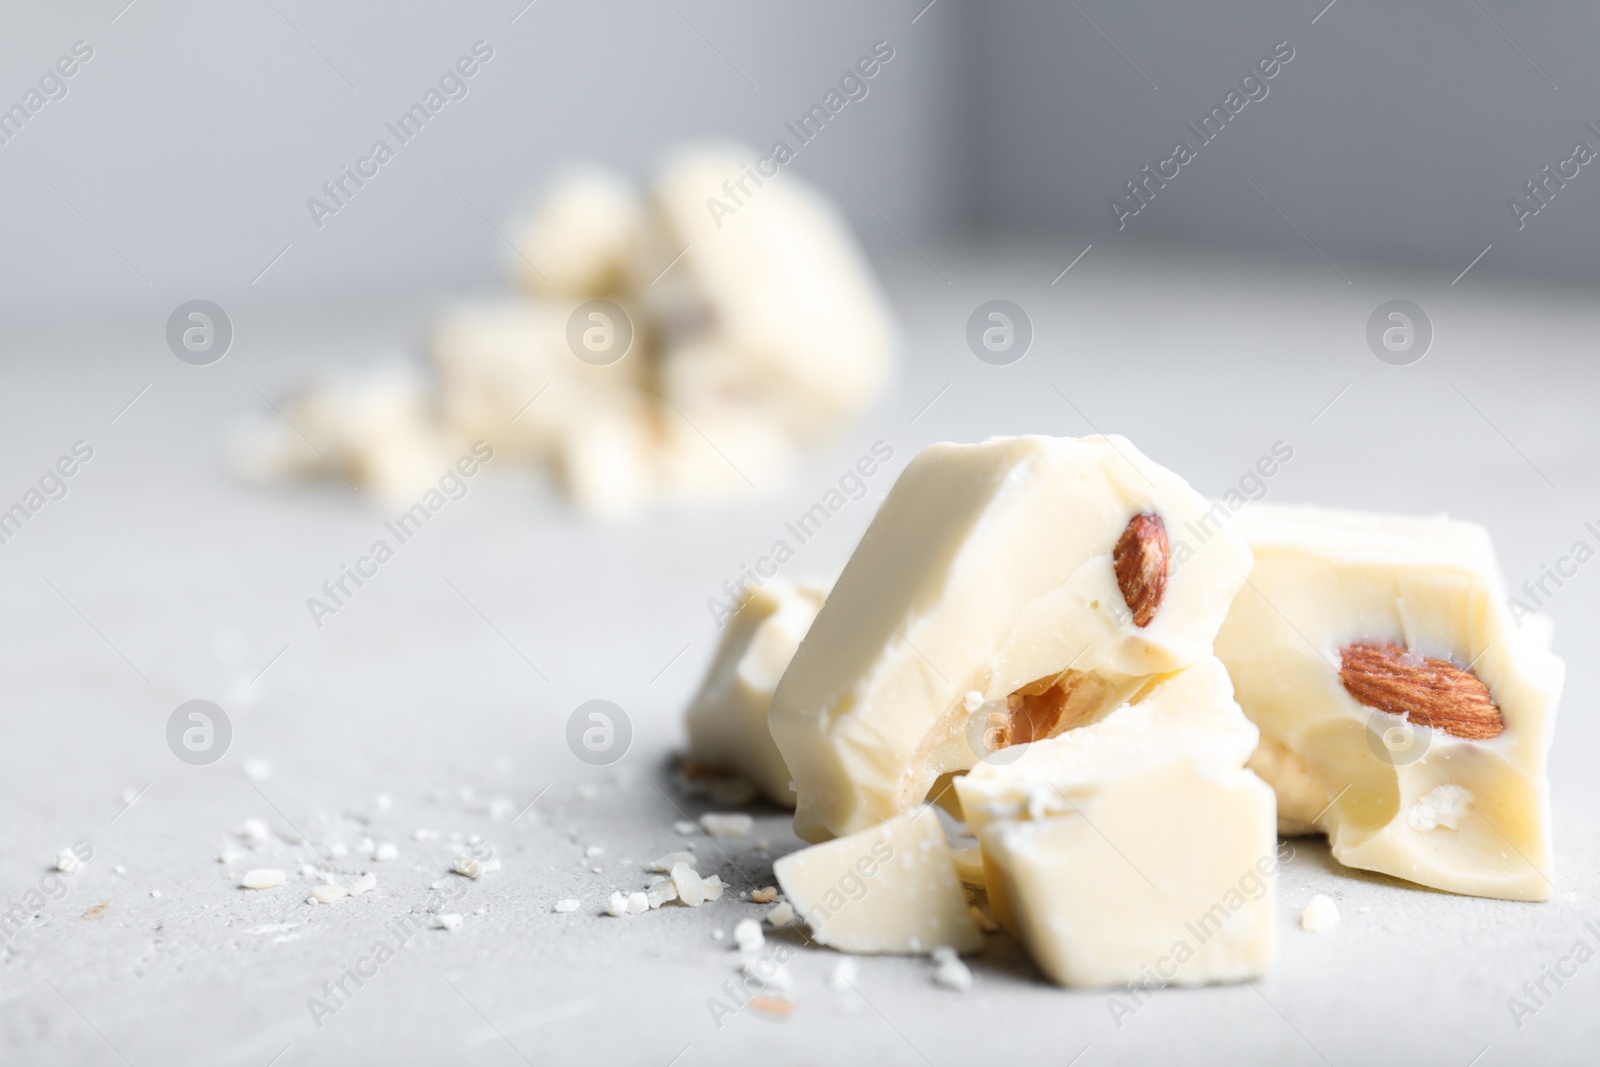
x=447, y=682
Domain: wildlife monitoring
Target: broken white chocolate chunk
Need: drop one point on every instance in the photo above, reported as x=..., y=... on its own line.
x=780, y=286
x=584, y=235
x=1046, y=575
x=727, y=719
x=891, y=888
x=1137, y=849
x=1403, y=712
x=567, y=905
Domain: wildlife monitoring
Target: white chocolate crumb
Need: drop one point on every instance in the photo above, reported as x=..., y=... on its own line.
x=364, y=884
x=765, y=895
x=450, y=922
x=229, y=855
x=713, y=886
x=254, y=832
x=594, y=850
x=468, y=866
x=717, y=824
x=567, y=904
x=617, y=905
x=782, y=915
x=747, y=935
x=155, y=892
x=262, y=878
x=385, y=852
x=844, y=974
x=691, y=887
x=1444, y=805
x=338, y=850
x=949, y=971
x=661, y=891
x=768, y=973
x=664, y=864
x=306, y=870
x=638, y=903
x=66, y=862
x=120, y=869
x=1321, y=915
x=326, y=894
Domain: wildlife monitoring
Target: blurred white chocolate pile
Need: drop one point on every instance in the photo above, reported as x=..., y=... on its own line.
x=656, y=352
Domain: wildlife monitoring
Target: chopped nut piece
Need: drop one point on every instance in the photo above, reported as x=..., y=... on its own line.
x=778, y=1007
x=765, y=895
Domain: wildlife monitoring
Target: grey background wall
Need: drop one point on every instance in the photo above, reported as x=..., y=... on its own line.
x=1396, y=134
x=181, y=157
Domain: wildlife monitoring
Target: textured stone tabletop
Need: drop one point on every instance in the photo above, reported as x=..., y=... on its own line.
x=432, y=706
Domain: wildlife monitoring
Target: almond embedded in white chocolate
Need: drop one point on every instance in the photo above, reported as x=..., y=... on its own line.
x=1143, y=559
x=1425, y=691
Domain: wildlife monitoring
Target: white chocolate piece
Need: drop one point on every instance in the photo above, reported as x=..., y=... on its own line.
x=1386, y=786
x=780, y=280
x=989, y=568
x=1321, y=915
x=629, y=454
x=1136, y=849
x=727, y=719
x=888, y=889
x=374, y=427
x=584, y=236
x=494, y=358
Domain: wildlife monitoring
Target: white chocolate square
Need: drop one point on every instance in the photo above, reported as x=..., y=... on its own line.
x=1385, y=785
